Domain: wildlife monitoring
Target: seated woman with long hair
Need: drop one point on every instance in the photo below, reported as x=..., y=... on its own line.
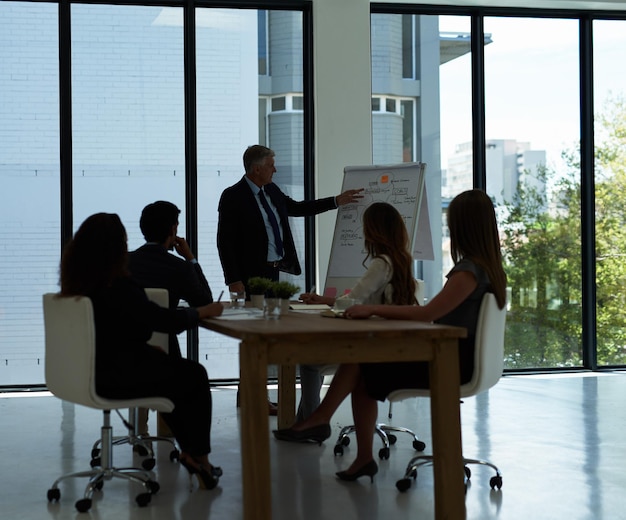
x=94, y=264
x=388, y=280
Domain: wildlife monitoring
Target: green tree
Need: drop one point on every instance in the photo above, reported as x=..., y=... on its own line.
x=542, y=249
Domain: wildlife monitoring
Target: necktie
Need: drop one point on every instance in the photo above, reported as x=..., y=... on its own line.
x=273, y=222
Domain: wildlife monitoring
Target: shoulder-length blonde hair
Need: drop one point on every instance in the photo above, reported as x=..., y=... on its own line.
x=474, y=235
x=95, y=256
x=385, y=234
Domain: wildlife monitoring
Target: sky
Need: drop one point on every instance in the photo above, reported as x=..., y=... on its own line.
x=531, y=81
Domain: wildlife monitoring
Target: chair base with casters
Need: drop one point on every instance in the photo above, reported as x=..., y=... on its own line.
x=422, y=460
x=386, y=432
x=141, y=444
x=106, y=471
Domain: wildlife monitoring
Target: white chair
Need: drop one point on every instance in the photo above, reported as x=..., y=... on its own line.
x=386, y=432
x=488, y=366
x=141, y=443
x=70, y=375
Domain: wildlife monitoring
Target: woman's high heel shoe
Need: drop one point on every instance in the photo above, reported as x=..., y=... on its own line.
x=370, y=469
x=207, y=478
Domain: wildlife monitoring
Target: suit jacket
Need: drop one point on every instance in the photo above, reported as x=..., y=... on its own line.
x=241, y=235
x=153, y=266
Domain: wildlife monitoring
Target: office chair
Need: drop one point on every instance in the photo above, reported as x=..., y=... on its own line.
x=142, y=444
x=386, y=432
x=488, y=366
x=70, y=375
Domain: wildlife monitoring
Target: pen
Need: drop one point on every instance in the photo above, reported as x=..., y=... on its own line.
x=219, y=299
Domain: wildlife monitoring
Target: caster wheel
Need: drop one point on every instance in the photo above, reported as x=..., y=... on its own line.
x=153, y=486
x=95, y=453
x=140, y=450
x=148, y=464
x=468, y=473
x=174, y=455
x=496, y=482
x=95, y=462
x=419, y=445
x=345, y=441
x=392, y=438
x=383, y=453
x=143, y=499
x=338, y=450
x=54, y=495
x=403, y=484
x=83, y=505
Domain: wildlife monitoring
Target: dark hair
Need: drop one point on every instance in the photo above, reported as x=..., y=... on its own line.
x=157, y=220
x=256, y=154
x=385, y=234
x=95, y=256
x=474, y=235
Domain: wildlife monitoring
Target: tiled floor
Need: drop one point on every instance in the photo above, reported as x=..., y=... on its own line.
x=560, y=442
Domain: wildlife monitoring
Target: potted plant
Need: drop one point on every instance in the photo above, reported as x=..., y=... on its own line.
x=258, y=286
x=284, y=290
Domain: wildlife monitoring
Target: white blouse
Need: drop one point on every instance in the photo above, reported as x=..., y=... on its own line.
x=373, y=287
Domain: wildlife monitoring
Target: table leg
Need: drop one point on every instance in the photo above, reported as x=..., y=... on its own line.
x=286, y=395
x=255, y=448
x=446, y=432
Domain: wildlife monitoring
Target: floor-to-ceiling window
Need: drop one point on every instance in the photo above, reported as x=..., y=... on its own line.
x=29, y=176
x=510, y=121
x=134, y=138
x=609, y=52
x=532, y=122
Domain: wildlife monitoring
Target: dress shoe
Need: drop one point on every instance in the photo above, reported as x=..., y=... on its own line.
x=370, y=469
x=315, y=434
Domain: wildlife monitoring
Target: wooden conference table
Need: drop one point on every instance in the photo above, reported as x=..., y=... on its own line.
x=308, y=338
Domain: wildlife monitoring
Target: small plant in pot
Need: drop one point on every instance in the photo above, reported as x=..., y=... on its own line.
x=258, y=286
x=284, y=290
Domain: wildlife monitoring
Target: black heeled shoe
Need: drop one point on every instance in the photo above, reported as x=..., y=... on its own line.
x=315, y=434
x=370, y=469
x=207, y=479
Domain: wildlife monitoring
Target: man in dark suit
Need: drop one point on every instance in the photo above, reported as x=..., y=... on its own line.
x=152, y=265
x=253, y=233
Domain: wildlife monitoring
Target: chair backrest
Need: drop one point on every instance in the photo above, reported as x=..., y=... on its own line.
x=70, y=335
x=160, y=297
x=420, y=291
x=489, y=350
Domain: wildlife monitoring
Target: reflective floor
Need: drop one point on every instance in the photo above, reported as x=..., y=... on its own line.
x=560, y=443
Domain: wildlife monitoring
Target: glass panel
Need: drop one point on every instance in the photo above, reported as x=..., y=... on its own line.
x=532, y=127
x=609, y=44
x=29, y=175
x=232, y=93
x=128, y=111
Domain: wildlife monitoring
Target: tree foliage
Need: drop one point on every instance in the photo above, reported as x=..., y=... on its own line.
x=541, y=235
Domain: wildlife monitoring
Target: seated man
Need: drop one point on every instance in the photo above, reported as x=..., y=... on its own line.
x=152, y=265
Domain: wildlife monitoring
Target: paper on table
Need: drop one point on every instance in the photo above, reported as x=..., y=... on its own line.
x=240, y=314
x=308, y=307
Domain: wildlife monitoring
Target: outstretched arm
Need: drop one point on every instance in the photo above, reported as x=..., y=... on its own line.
x=456, y=290
x=349, y=196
